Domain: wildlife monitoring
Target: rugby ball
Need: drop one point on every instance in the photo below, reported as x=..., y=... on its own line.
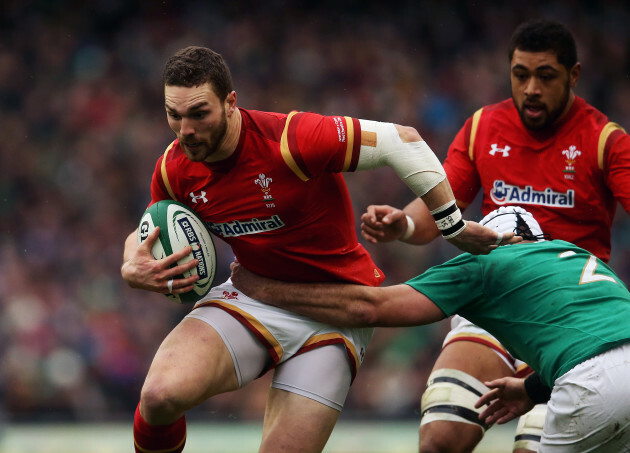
x=181, y=227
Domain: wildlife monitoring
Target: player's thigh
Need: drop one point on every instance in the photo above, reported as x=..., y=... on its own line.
x=475, y=359
x=308, y=392
x=322, y=374
x=192, y=364
x=295, y=423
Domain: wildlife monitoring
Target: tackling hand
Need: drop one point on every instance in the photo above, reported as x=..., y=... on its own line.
x=480, y=240
x=507, y=400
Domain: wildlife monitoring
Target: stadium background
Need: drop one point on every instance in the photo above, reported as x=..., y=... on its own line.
x=82, y=123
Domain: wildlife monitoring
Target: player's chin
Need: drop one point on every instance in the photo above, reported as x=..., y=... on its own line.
x=194, y=156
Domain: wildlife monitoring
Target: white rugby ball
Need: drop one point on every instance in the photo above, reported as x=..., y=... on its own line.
x=179, y=228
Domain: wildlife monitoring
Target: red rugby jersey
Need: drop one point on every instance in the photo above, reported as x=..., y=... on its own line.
x=280, y=200
x=570, y=178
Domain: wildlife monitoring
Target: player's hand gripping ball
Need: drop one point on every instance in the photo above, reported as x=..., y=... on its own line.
x=181, y=227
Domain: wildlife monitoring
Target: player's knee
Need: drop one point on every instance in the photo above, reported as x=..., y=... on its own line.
x=451, y=396
x=449, y=437
x=158, y=402
x=450, y=422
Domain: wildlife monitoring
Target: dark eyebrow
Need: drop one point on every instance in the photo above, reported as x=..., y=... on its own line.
x=193, y=108
x=539, y=68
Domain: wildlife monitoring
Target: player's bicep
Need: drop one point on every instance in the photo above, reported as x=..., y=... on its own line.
x=318, y=144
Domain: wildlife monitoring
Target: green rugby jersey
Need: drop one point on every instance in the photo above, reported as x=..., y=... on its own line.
x=551, y=304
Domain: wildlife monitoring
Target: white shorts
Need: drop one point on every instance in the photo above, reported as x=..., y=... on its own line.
x=589, y=409
x=306, y=354
x=464, y=330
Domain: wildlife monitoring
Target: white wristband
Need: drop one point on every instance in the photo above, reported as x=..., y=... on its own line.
x=448, y=219
x=411, y=227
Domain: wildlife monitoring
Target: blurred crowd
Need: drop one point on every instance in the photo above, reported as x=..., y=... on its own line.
x=82, y=123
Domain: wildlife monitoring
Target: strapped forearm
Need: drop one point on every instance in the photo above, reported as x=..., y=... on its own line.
x=414, y=162
x=340, y=304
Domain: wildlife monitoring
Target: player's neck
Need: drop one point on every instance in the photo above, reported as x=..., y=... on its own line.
x=567, y=108
x=230, y=140
x=233, y=133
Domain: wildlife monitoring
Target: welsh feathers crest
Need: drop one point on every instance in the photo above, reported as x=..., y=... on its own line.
x=572, y=154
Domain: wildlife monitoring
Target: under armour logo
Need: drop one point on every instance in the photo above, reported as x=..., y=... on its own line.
x=196, y=198
x=495, y=149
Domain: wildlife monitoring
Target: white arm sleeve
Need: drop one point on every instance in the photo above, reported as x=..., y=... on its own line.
x=414, y=162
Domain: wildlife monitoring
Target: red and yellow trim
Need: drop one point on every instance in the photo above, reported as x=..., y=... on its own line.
x=164, y=173
x=174, y=449
x=285, y=149
x=255, y=326
x=347, y=163
x=473, y=132
x=334, y=338
x=603, y=138
x=484, y=340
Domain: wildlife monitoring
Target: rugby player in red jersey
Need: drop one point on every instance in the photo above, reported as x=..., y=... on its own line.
x=547, y=150
x=270, y=185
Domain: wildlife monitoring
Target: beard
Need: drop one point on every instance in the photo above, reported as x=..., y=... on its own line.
x=199, y=151
x=548, y=117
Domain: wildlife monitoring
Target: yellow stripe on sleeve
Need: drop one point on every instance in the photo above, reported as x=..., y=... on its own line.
x=473, y=132
x=603, y=137
x=167, y=184
x=286, y=153
x=349, y=143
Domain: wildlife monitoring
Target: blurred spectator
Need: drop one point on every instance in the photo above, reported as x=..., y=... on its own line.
x=81, y=122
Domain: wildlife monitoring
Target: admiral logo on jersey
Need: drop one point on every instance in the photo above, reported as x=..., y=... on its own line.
x=240, y=228
x=503, y=193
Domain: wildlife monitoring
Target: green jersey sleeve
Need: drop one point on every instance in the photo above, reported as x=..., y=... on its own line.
x=453, y=286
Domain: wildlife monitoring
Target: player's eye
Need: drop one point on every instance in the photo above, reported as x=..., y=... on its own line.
x=521, y=76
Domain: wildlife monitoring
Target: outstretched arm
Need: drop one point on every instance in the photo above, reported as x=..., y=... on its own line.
x=404, y=150
x=341, y=304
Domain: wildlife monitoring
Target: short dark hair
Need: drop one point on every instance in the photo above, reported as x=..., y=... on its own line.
x=541, y=35
x=193, y=66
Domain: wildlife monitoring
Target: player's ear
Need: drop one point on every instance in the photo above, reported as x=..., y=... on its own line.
x=574, y=74
x=230, y=103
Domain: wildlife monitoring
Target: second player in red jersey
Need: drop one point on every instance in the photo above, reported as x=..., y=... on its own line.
x=570, y=175
x=547, y=150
